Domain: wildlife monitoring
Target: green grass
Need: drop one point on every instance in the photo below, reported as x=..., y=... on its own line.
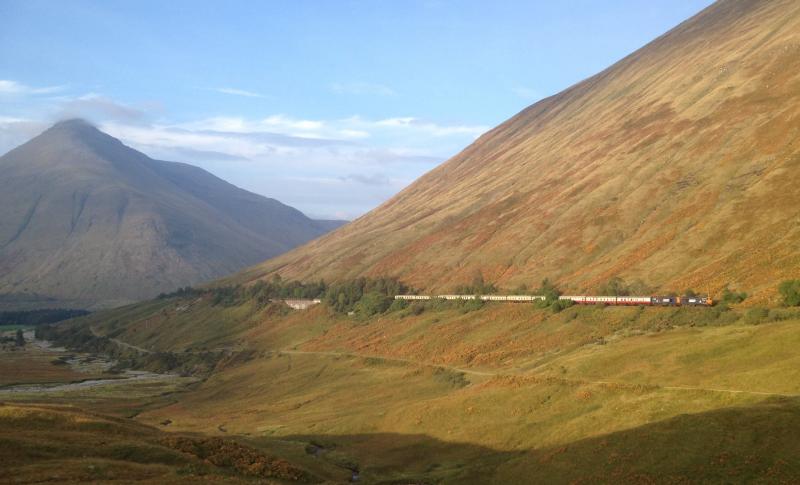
x=488, y=395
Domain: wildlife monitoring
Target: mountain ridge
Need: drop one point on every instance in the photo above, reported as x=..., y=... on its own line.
x=659, y=168
x=81, y=209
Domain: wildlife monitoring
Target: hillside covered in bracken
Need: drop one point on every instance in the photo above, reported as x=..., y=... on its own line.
x=677, y=166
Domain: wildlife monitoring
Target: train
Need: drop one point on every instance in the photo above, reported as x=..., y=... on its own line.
x=579, y=300
x=641, y=300
x=511, y=298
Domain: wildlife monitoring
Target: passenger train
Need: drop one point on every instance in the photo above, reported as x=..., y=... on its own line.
x=580, y=300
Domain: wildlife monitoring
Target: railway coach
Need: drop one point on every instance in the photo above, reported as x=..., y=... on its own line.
x=640, y=300
x=412, y=297
x=577, y=299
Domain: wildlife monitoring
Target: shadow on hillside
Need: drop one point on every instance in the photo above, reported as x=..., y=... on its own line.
x=760, y=443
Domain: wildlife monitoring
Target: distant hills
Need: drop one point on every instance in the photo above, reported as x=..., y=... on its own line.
x=678, y=166
x=86, y=220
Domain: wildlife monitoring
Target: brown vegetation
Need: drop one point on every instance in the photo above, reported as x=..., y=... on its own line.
x=677, y=166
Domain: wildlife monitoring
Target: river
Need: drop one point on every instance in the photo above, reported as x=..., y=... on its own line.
x=83, y=363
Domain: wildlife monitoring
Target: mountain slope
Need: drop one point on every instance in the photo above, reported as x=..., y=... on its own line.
x=83, y=217
x=678, y=165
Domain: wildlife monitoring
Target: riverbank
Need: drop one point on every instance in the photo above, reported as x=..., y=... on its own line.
x=40, y=371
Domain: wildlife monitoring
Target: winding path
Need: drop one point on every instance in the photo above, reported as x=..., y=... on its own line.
x=529, y=374
x=390, y=359
x=489, y=373
x=121, y=343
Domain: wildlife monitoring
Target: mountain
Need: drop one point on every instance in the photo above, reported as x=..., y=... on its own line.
x=331, y=224
x=84, y=217
x=678, y=165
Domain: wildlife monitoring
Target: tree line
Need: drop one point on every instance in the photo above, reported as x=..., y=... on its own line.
x=39, y=317
x=371, y=296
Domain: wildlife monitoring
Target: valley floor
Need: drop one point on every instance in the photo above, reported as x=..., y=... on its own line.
x=504, y=394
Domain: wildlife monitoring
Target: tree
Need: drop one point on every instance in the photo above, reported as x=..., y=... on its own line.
x=19, y=340
x=549, y=290
x=790, y=290
x=372, y=303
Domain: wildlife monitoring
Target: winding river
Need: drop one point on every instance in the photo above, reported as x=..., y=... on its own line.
x=85, y=363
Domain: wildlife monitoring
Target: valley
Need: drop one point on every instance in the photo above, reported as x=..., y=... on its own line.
x=604, y=288
x=507, y=390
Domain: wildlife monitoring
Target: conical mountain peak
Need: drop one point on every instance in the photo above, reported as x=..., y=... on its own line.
x=84, y=217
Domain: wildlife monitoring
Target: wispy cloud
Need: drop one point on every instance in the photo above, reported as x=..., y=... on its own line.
x=97, y=107
x=374, y=179
x=432, y=129
x=342, y=166
x=16, y=130
x=360, y=88
x=239, y=92
x=16, y=88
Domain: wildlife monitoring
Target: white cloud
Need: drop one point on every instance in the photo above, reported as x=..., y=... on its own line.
x=96, y=107
x=16, y=130
x=239, y=92
x=432, y=129
x=326, y=167
x=360, y=88
x=368, y=179
x=9, y=87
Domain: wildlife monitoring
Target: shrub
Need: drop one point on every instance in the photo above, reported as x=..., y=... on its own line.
x=438, y=305
x=466, y=306
x=559, y=305
x=397, y=305
x=416, y=308
x=790, y=290
x=754, y=316
x=731, y=297
x=779, y=315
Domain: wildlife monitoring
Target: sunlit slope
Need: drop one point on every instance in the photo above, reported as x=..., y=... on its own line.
x=678, y=165
x=591, y=394
x=507, y=392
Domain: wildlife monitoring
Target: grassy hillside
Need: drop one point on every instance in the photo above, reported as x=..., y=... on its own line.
x=676, y=166
x=65, y=445
x=456, y=395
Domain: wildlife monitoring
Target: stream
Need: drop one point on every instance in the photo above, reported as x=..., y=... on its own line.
x=83, y=363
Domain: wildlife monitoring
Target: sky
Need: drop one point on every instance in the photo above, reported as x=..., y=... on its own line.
x=329, y=106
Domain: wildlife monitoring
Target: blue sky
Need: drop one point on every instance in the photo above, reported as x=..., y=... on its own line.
x=329, y=106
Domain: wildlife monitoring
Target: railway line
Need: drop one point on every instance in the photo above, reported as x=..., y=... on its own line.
x=667, y=300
